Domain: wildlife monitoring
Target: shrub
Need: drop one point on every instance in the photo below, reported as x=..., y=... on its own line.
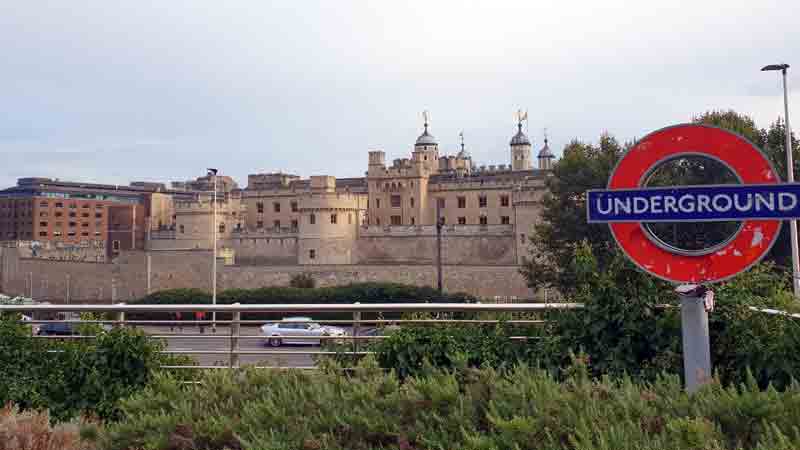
x=522, y=408
x=75, y=377
x=303, y=281
x=31, y=430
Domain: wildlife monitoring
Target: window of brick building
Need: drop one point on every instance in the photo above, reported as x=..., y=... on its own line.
x=86, y=206
x=44, y=204
x=97, y=233
x=312, y=254
x=333, y=219
x=42, y=224
x=59, y=214
x=484, y=221
x=56, y=233
x=72, y=214
x=440, y=203
x=85, y=233
x=505, y=220
x=43, y=234
x=503, y=200
x=58, y=224
x=312, y=219
x=462, y=220
x=396, y=220
x=276, y=207
x=73, y=224
x=97, y=215
x=395, y=201
x=482, y=201
x=59, y=205
x=260, y=207
x=71, y=234
x=462, y=202
x=115, y=245
x=259, y=224
x=294, y=206
x=85, y=215
x=98, y=207
x=85, y=225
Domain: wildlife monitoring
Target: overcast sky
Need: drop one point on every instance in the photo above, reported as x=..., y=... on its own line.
x=115, y=91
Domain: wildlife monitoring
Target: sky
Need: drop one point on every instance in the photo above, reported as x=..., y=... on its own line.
x=124, y=91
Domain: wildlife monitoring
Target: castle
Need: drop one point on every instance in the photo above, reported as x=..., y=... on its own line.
x=90, y=242
x=388, y=216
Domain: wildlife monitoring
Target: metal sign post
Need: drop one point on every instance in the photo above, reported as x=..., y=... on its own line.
x=760, y=202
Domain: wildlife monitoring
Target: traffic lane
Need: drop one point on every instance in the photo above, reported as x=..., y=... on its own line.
x=250, y=340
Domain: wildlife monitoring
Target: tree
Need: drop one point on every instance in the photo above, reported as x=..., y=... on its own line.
x=730, y=120
x=584, y=166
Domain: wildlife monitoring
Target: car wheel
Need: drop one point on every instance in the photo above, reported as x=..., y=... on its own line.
x=274, y=342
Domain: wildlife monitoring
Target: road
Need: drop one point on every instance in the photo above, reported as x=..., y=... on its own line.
x=250, y=340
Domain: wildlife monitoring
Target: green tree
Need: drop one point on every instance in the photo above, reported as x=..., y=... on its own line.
x=731, y=120
x=583, y=167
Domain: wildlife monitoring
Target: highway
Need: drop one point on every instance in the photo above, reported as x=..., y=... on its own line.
x=250, y=340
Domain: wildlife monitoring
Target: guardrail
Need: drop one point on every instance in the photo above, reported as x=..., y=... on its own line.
x=232, y=329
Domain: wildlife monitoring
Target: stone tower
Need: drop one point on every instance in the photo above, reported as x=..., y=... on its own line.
x=426, y=150
x=520, y=150
x=546, y=157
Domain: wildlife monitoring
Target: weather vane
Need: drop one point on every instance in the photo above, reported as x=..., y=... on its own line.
x=426, y=116
x=461, y=135
x=521, y=115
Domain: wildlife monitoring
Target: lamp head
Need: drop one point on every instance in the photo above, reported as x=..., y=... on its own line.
x=774, y=67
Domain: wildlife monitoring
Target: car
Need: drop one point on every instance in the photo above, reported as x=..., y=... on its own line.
x=292, y=330
x=63, y=329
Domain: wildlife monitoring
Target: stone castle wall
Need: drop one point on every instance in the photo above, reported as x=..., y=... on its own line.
x=126, y=278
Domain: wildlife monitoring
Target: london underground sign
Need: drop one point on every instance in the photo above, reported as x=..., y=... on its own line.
x=760, y=202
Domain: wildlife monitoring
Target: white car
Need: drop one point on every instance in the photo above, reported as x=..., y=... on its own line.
x=292, y=330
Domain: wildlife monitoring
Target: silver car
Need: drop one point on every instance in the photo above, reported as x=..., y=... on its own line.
x=297, y=330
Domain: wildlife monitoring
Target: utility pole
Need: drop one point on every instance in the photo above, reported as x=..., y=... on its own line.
x=789, y=176
x=439, y=225
x=147, y=249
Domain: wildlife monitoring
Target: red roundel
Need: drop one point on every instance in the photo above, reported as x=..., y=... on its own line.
x=755, y=237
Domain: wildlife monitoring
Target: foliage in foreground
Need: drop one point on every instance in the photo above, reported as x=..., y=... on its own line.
x=32, y=431
x=480, y=409
x=74, y=377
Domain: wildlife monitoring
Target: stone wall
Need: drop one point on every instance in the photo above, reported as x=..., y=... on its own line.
x=260, y=250
x=126, y=277
x=467, y=250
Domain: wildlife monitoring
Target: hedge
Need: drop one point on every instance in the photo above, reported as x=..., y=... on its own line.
x=358, y=292
x=471, y=409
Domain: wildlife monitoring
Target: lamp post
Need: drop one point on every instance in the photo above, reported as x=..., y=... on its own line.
x=439, y=225
x=213, y=174
x=789, y=175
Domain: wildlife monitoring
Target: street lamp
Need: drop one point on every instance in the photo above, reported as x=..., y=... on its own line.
x=789, y=175
x=213, y=174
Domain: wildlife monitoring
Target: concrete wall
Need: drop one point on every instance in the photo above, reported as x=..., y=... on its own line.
x=125, y=279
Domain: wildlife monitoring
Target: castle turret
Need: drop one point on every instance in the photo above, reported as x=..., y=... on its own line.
x=520, y=150
x=426, y=149
x=546, y=157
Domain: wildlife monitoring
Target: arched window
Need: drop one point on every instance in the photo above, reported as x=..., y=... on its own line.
x=222, y=227
x=182, y=229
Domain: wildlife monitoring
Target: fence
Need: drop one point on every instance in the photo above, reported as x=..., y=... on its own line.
x=232, y=336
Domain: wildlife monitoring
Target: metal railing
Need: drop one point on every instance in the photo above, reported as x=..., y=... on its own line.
x=236, y=337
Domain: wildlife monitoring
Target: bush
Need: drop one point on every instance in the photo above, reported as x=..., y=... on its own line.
x=358, y=292
x=75, y=377
x=303, y=281
x=32, y=431
x=522, y=408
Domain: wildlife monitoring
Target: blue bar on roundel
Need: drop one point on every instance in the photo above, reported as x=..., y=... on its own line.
x=694, y=203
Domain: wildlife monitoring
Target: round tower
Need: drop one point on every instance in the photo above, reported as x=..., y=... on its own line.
x=520, y=150
x=426, y=149
x=546, y=157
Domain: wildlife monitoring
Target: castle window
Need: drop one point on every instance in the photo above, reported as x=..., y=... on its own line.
x=413, y=222
x=462, y=220
x=440, y=203
x=377, y=221
x=412, y=202
x=260, y=207
x=182, y=229
x=522, y=238
x=115, y=245
x=312, y=219
x=222, y=227
x=312, y=254
x=294, y=206
x=395, y=201
x=333, y=219
x=503, y=200
x=276, y=207
x=277, y=224
x=259, y=224
x=505, y=220
x=484, y=221
x=294, y=225
x=462, y=202
x=378, y=203
x=482, y=201
x=396, y=220
x=349, y=218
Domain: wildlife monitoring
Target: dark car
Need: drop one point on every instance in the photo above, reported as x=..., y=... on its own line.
x=62, y=329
